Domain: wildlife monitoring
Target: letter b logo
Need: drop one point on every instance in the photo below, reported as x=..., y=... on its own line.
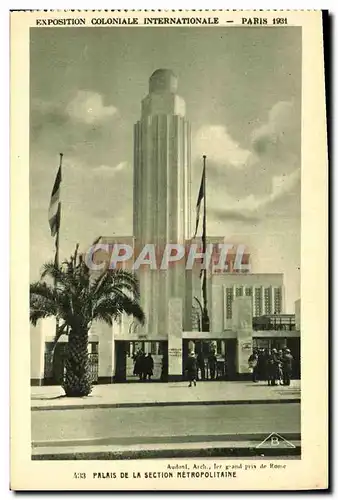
x=274, y=441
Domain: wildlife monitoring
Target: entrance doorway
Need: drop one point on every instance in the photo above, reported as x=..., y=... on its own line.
x=292, y=343
x=216, y=359
x=130, y=365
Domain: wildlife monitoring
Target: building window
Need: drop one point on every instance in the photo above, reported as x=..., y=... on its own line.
x=267, y=300
x=239, y=292
x=258, y=302
x=94, y=347
x=260, y=343
x=278, y=301
x=229, y=299
x=248, y=292
x=195, y=318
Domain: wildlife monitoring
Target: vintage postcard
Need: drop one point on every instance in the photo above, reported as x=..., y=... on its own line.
x=169, y=251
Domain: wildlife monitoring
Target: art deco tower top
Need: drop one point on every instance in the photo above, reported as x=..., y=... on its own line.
x=162, y=98
x=163, y=80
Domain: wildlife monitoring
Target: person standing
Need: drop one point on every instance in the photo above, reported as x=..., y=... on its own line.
x=164, y=370
x=253, y=364
x=270, y=368
x=287, y=367
x=265, y=357
x=280, y=366
x=143, y=363
x=191, y=368
x=139, y=365
x=201, y=364
x=212, y=362
x=260, y=364
x=274, y=366
x=148, y=367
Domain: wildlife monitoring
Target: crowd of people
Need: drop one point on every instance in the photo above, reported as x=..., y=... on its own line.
x=143, y=365
x=210, y=366
x=196, y=367
x=273, y=366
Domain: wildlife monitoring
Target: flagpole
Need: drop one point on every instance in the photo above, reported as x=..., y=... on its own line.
x=57, y=248
x=57, y=238
x=205, y=317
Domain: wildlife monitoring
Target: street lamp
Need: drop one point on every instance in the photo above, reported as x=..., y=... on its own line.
x=200, y=316
x=205, y=320
x=204, y=323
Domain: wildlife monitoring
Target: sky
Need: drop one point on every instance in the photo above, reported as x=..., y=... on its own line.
x=242, y=87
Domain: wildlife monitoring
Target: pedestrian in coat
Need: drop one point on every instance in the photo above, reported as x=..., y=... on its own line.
x=287, y=367
x=136, y=363
x=164, y=370
x=201, y=365
x=139, y=365
x=275, y=366
x=260, y=364
x=191, y=368
x=271, y=368
x=279, y=368
x=253, y=364
x=212, y=362
x=265, y=356
x=148, y=367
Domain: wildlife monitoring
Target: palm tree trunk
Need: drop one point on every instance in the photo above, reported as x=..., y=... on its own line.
x=77, y=381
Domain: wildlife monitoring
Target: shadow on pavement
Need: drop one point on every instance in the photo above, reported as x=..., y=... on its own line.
x=46, y=398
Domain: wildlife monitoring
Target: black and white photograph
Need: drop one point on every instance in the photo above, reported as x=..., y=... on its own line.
x=165, y=264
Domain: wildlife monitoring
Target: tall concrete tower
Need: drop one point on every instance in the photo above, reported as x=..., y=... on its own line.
x=162, y=181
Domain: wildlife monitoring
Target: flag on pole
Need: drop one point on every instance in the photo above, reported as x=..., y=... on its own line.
x=54, y=213
x=201, y=195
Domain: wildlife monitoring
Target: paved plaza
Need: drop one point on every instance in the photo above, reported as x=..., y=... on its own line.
x=160, y=420
x=149, y=394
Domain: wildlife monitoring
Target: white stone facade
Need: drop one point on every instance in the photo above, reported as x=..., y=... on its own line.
x=162, y=181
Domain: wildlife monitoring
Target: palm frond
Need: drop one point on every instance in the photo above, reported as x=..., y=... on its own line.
x=45, y=301
x=128, y=279
x=51, y=270
x=39, y=310
x=118, y=305
x=112, y=279
x=35, y=314
x=78, y=297
x=131, y=307
x=42, y=289
x=105, y=317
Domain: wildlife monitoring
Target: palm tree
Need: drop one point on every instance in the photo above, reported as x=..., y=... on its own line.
x=77, y=298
